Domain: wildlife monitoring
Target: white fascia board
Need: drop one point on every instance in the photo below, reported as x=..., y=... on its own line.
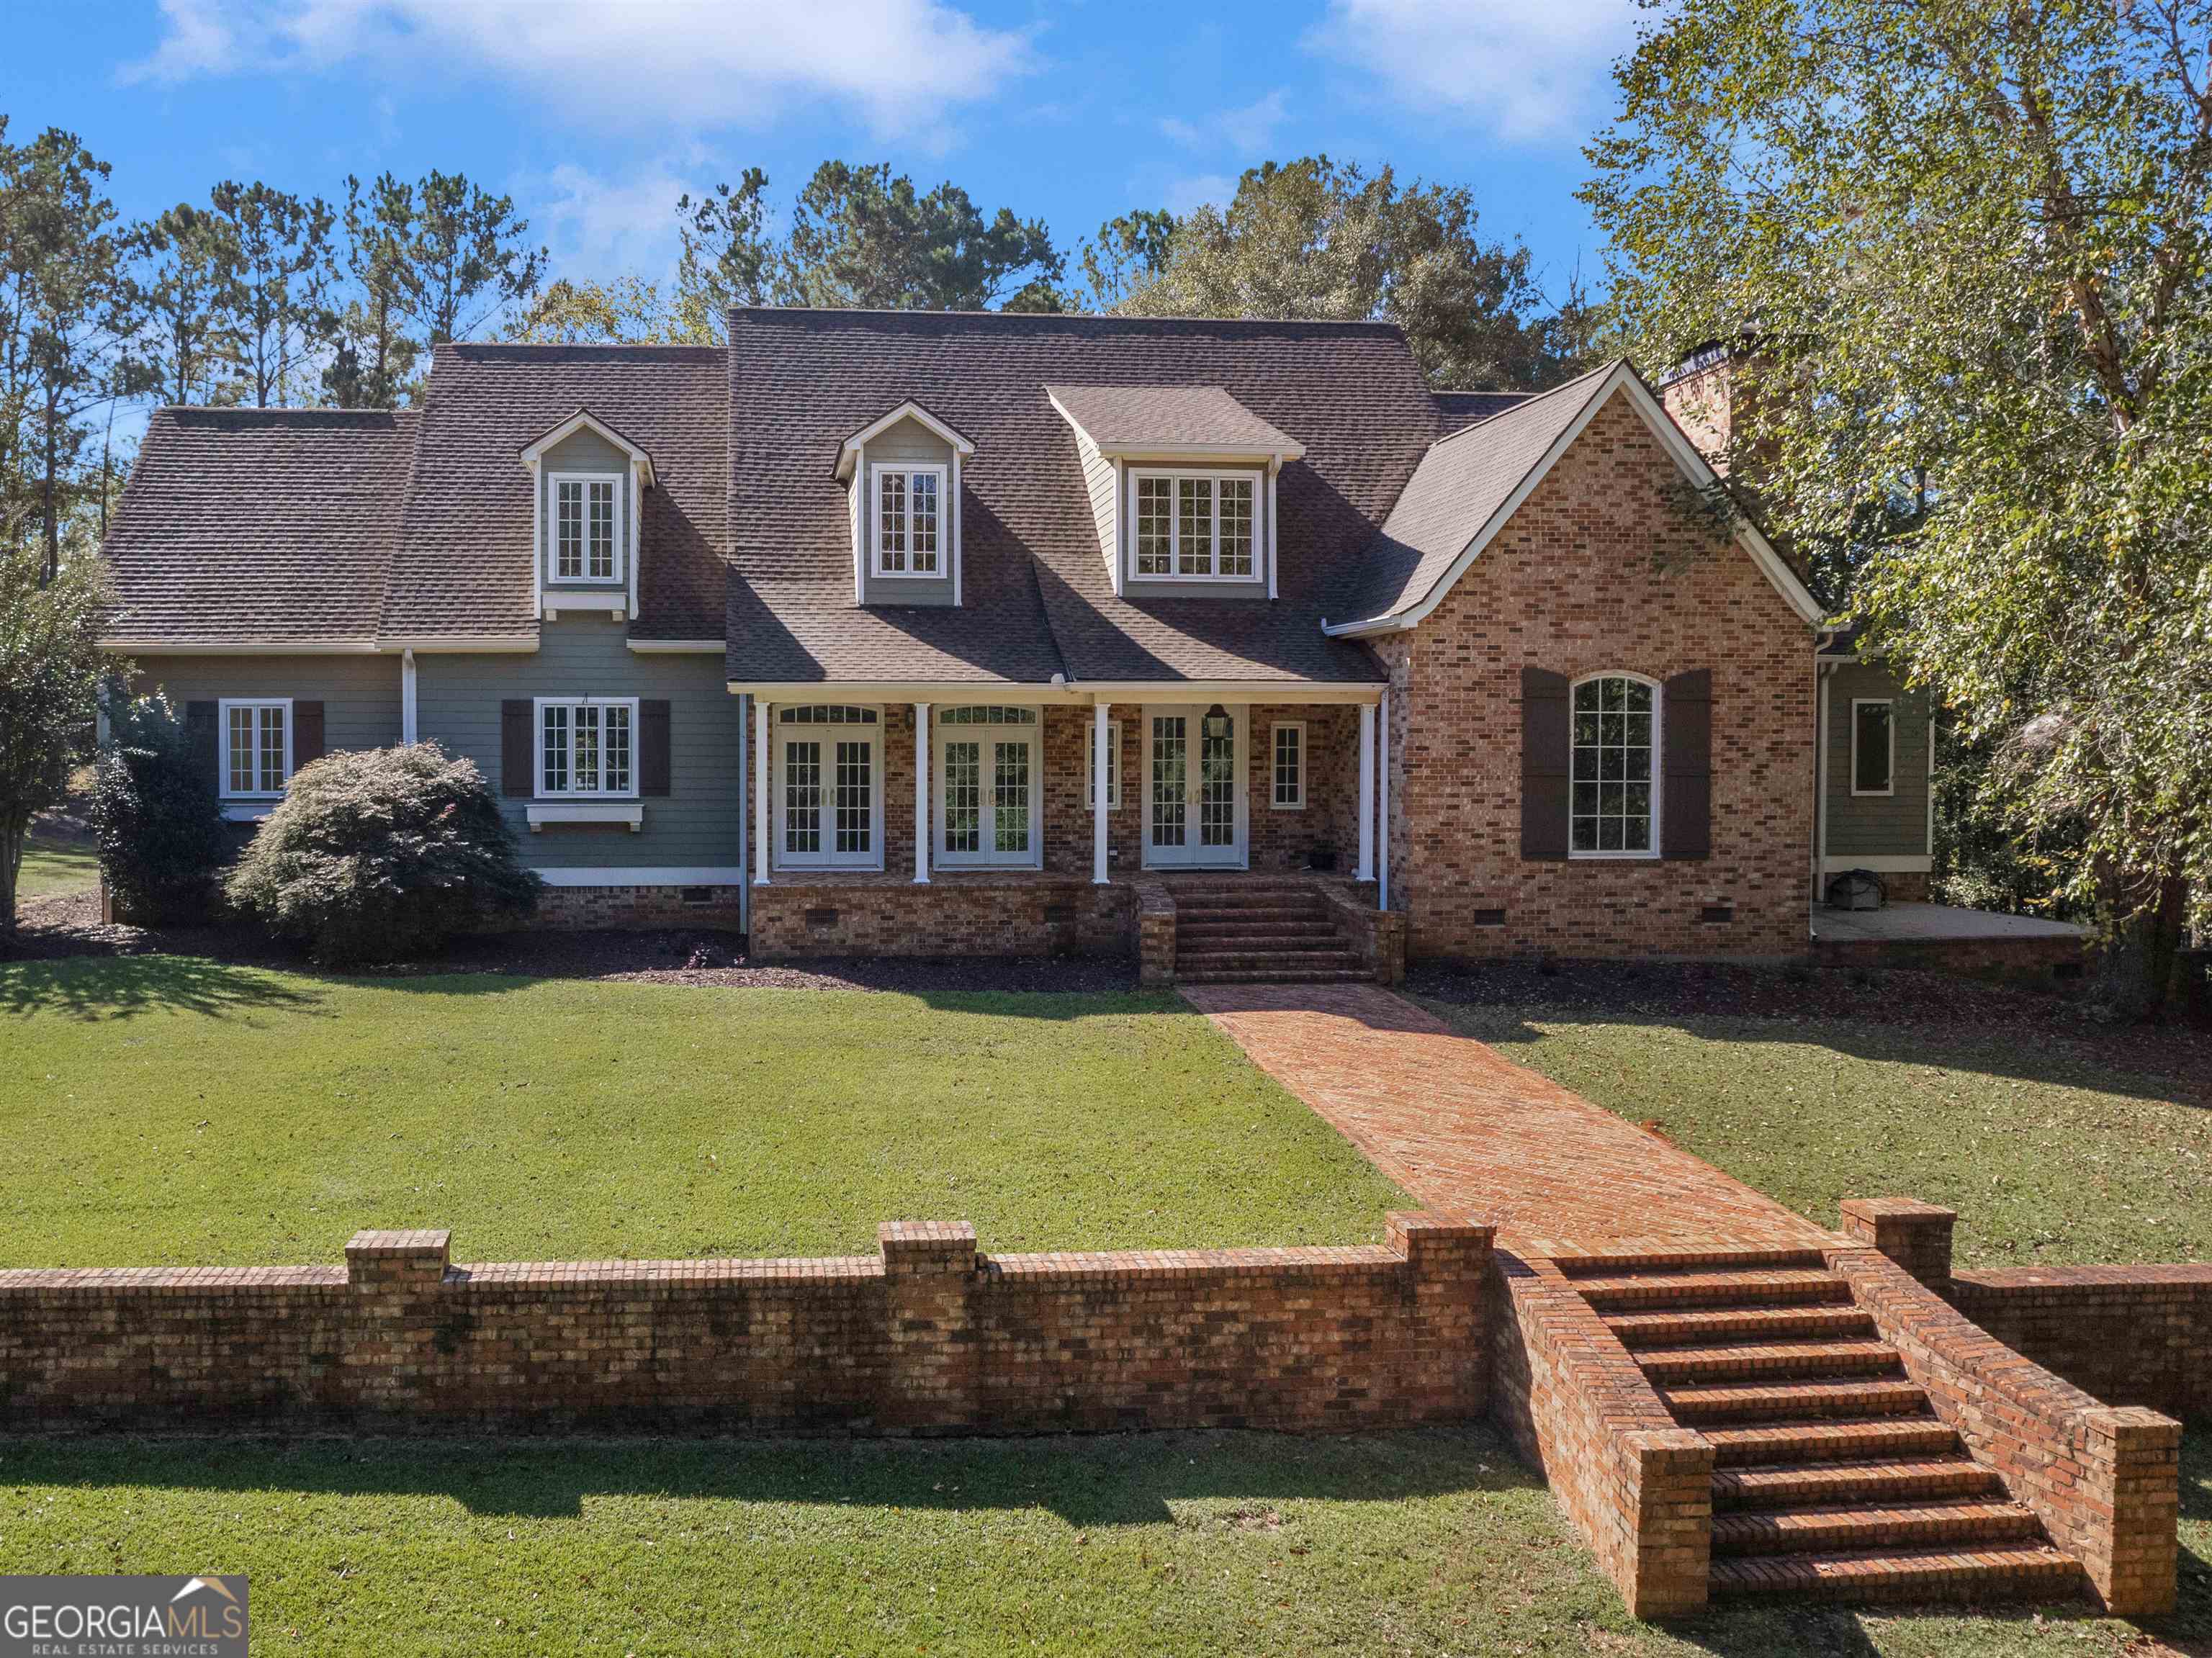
x=677, y=646
x=247, y=647
x=578, y=421
x=849, y=452
x=1081, y=693
x=460, y=644
x=1692, y=465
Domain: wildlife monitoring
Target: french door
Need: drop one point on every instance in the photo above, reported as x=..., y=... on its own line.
x=1194, y=788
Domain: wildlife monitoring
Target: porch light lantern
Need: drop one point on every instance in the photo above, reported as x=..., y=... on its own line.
x=1217, y=721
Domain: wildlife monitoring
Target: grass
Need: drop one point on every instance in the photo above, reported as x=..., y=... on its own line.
x=54, y=867
x=163, y=1110
x=2048, y=1151
x=1432, y=1542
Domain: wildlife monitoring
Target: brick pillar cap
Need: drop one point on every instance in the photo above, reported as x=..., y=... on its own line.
x=1896, y=1209
x=926, y=1237
x=1405, y=1227
x=396, y=1246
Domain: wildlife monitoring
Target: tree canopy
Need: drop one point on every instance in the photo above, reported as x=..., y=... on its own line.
x=1963, y=251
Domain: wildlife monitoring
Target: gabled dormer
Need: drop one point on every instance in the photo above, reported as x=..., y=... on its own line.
x=1182, y=480
x=902, y=478
x=587, y=490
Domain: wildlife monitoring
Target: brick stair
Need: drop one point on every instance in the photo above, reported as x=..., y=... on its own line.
x=1833, y=1479
x=1260, y=932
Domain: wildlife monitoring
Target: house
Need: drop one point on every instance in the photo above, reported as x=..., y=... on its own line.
x=916, y=633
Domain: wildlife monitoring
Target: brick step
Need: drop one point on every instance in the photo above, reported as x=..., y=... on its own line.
x=1719, y=1404
x=1271, y=977
x=1856, y=1484
x=1768, y=1358
x=1697, y=1328
x=2028, y=1572
x=1250, y=915
x=1894, y=1526
x=1665, y=1263
x=1751, y=1287
x=1217, y=937
x=1270, y=958
x=1768, y=1444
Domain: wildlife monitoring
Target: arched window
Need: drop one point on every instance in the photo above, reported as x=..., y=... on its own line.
x=1615, y=767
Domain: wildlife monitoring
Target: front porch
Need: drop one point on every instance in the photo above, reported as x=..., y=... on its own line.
x=891, y=828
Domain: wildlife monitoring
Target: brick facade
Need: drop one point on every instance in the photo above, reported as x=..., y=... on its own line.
x=964, y=912
x=717, y=906
x=1603, y=567
x=928, y=1337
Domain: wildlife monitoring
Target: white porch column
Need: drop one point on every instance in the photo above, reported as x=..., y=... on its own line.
x=1383, y=788
x=761, y=814
x=1101, y=757
x=1367, y=870
x=921, y=793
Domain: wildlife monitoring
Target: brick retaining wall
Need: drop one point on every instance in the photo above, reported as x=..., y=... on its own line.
x=2131, y=1335
x=927, y=1337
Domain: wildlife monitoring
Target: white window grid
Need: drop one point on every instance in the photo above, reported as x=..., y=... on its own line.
x=829, y=797
x=586, y=541
x=988, y=782
x=1112, y=767
x=1287, y=767
x=256, y=738
x=910, y=525
x=587, y=748
x=1613, y=766
x=1190, y=524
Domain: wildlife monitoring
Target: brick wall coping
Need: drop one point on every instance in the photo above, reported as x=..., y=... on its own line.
x=181, y=1280
x=2178, y=1273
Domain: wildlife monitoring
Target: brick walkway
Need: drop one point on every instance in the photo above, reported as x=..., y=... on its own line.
x=1458, y=1124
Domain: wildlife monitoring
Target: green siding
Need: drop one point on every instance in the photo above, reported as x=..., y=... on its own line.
x=699, y=823
x=1876, y=825
x=583, y=451
x=360, y=694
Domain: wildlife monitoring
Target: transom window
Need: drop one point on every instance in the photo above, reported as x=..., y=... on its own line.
x=988, y=788
x=1195, y=526
x=1874, y=746
x=587, y=746
x=586, y=526
x=257, y=747
x=828, y=798
x=909, y=519
x=1612, y=775
x=1289, y=767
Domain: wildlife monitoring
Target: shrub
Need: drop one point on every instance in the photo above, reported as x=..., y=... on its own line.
x=382, y=855
x=155, y=816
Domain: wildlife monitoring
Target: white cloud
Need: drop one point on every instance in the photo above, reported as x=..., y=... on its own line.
x=1247, y=131
x=1186, y=195
x=601, y=227
x=901, y=65
x=1533, y=72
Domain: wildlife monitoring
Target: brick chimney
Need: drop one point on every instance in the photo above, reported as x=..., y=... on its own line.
x=1700, y=392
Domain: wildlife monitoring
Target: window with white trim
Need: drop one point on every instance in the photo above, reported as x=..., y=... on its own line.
x=1195, y=526
x=989, y=787
x=1289, y=791
x=588, y=541
x=829, y=786
x=1613, y=771
x=1112, y=767
x=588, y=747
x=1874, y=746
x=257, y=747
x=909, y=520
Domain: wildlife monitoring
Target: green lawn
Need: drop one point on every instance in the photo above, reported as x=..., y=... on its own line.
x=167, y=1109
x=2048, y=1151
x=50, y=868
x=1432, y=1543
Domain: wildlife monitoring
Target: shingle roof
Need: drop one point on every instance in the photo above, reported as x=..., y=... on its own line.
x=250, y=524
x=1460, y=483
x=1159, y=418
x=1460, y=410
x=1037, y=597
x=463, y=562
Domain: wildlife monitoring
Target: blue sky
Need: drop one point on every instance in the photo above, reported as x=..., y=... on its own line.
x=595, y=118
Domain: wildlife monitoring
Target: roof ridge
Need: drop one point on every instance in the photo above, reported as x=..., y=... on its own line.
x=1378, y=324
x=461, y=347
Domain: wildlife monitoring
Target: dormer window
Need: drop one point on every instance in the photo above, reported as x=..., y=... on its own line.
x=1194, y=526
x=909, y=520
x=587, y=538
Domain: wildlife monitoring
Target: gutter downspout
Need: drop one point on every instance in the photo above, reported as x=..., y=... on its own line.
x=1820, y=671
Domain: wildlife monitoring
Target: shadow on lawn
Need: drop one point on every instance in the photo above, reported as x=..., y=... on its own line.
x=122, y=986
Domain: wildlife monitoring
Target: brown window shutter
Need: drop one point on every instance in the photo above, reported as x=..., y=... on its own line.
x=1687, y=738
x=1544, y=755
x=200, y=720
x=652, y=746
x=517, y=743
x=306, y=732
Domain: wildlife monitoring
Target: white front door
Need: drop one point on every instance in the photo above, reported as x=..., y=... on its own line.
x=1194, y=788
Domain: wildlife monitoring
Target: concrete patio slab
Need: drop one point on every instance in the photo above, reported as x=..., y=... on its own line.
x=1933, y=922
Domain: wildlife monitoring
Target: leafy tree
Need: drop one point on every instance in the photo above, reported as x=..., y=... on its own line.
x=1969, y=246
x=275, y=296
x=467, y=260
x=51, y=667
x=728, y=254
x=193, y=342
x=156, y=817
x=1126, y=252
x=625, y=311
x=1311, y=239
x=384, y=854
x=373, y=360
x=861, y=237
